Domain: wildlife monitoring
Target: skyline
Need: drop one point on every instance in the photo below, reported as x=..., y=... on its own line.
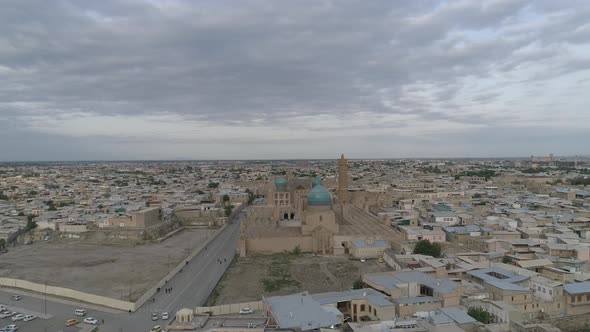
x=262, y=80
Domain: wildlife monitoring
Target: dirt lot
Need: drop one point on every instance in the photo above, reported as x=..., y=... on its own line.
x=120, y=272
x=279, y=274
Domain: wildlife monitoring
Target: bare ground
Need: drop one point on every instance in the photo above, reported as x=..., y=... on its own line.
x=121, y=272
x=248, y=278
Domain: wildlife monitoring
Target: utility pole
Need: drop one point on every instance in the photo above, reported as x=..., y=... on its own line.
x=45, y=298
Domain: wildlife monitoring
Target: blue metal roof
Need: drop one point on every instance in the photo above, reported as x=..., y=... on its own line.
x=577, y=287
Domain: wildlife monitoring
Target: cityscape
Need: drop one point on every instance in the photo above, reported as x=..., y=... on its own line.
x=294, y=166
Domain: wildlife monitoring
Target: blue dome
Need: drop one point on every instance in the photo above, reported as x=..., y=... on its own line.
x=315, y=181
x=319, y=196
x=280, y=182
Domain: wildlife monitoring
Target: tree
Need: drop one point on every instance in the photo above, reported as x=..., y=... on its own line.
x=425, y=247
x=228, y=209
x=358, y=284
x=213, y=185
x=21, y=214
x=30, y=217
x=225, y=199
x=480, y=314
x=2, y=244
x=506, y=260
x=31, y=224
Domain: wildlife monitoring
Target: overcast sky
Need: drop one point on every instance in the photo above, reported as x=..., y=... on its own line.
x=248, y=79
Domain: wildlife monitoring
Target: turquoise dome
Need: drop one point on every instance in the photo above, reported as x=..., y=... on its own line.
x=280, y=182
x=315, y=181
x=319, y=196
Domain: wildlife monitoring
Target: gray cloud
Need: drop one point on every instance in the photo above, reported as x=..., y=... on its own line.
x=257, y=63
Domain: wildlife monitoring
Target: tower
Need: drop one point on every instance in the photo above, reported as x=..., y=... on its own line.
x=342, y=180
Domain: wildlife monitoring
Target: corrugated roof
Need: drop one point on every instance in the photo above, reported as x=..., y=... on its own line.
x=300, y=311
x=373, y=296
x=458, y=315
x=577, y=288
x=390, y=281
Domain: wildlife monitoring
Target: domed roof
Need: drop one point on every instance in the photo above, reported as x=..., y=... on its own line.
x=319, y=196
x=280, y=181
x=315, y=181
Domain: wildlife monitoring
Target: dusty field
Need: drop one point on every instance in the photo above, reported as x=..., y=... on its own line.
x=121, y=272
x=250, y=277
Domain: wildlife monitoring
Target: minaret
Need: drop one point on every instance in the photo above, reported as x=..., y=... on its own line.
x=342, y=180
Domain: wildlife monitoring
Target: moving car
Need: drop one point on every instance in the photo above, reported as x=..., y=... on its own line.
x=91, y=320
x=18, y=317
x=16, y=297
x=72, y=322
x=245, y=311
x=165, y=315
x=29, y=318
x=80, y=312
x=156, y=328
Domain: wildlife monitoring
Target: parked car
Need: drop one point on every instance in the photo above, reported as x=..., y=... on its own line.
x=156, y=328
x=165, y=315
x=29, y=318
x=10, y=328
x=91, y=320
x=80, y=312
x=154, y=316
x=245, y=311
x=18, y=317
x=16, y=297
x=9, y=314
x=72, y=322
x=2, y=307
x=362, y=260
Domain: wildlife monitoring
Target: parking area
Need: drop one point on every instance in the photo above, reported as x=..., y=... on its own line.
x=116, y=271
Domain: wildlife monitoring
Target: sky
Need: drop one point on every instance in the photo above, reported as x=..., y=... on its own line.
x=273, y=79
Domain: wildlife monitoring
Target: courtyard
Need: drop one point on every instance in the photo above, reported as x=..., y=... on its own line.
x=117, y=271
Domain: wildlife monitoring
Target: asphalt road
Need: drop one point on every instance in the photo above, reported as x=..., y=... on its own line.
x=190, y=288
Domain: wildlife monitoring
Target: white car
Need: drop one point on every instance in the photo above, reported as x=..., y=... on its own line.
x=9, y=314
x=362, y=260
x=11, y=328
x=165, y=315
x=29, y=318
x=16, y=297
x=91, y=320
x=245, y=311
x=2, y=307
x=154, y=316
x=18, y=317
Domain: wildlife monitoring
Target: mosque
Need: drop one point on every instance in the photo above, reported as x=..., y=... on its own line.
x=301, y=212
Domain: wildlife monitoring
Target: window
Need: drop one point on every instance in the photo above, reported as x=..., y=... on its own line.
x=550, y=292
x=513, y=298
x=362, y=307
x=579, y=298
x=573, y=299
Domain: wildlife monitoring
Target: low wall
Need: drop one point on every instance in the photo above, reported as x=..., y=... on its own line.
x=225, y=309
x=69, y=293
x=103, y=300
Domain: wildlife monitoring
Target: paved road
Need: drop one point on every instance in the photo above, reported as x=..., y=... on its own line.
x=190, y=288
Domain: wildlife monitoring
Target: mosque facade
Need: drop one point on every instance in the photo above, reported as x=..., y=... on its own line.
x=302, y=213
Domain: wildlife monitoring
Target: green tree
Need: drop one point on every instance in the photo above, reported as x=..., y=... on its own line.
x=30, y=217
x=228, y=209
x=213, y=185
x=21, y=214
x=225, y=199
x=480, y=314
x=296, y=251
x=2, y=244
x=358, y=284
x=3, y=197
x=425, y=247
x=506, y=260
x=31, y=224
